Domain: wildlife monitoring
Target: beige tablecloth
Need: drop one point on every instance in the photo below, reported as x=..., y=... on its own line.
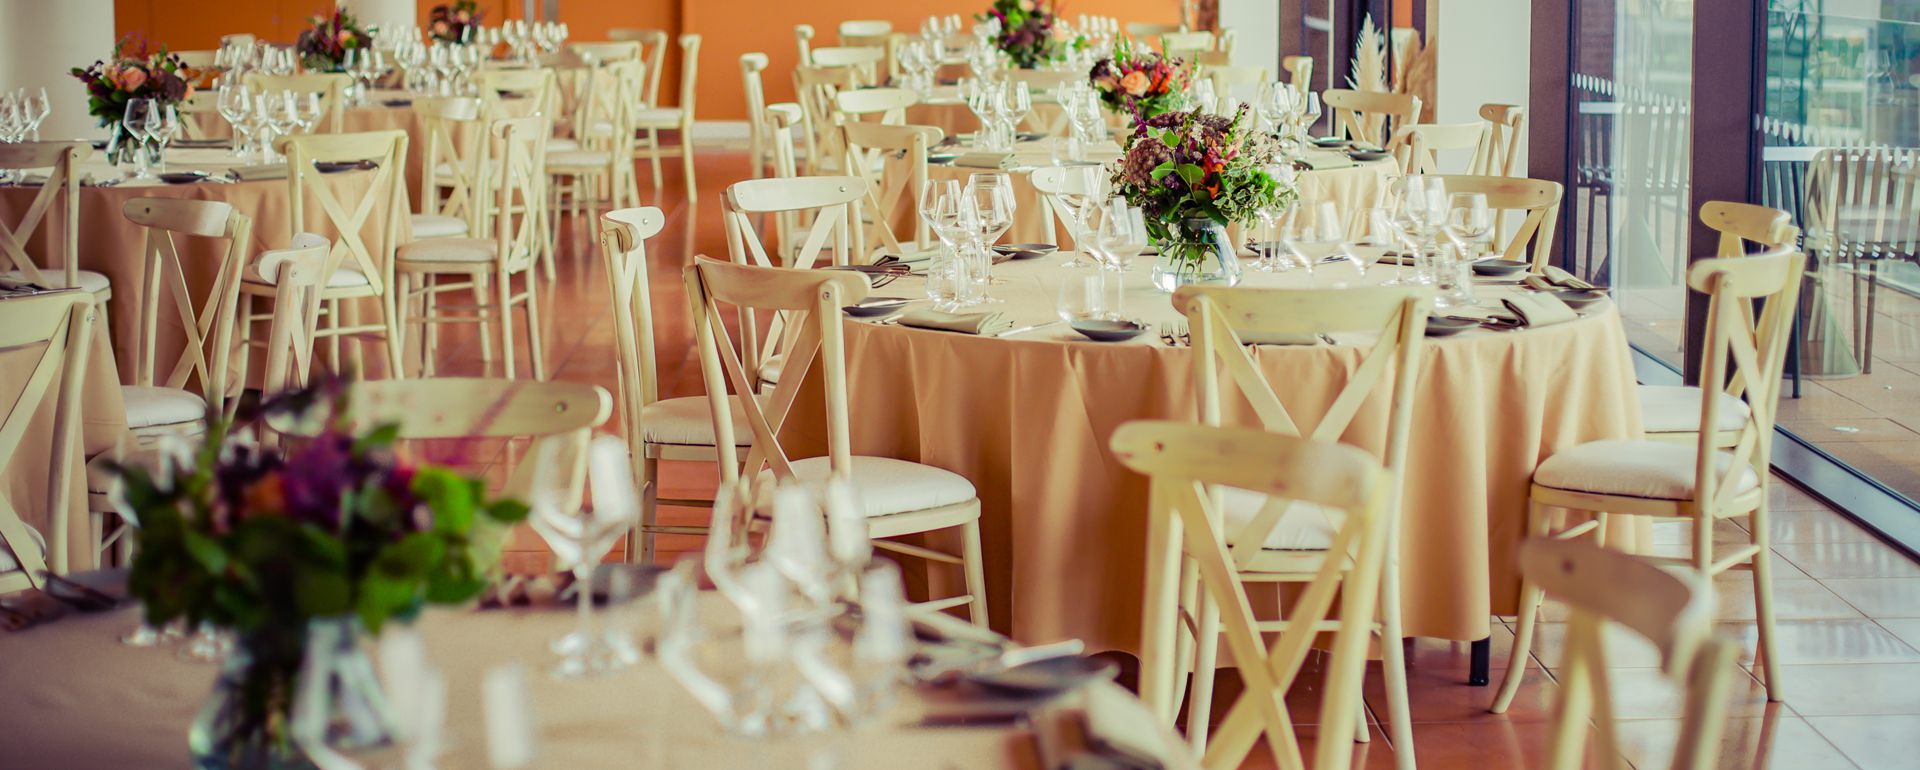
x=24, y=474
x=78, y=700
x=112, y=245
x=1027, y=420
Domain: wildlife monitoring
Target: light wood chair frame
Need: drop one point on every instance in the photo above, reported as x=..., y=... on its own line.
x=62, y=184
x=1370, y=116
x=1531, y=241
x=896, y=159
x=208, y=322
x=1506, y=136
x=1417, y=146
x=679, y=120
x=62, y=321
x=586, y=185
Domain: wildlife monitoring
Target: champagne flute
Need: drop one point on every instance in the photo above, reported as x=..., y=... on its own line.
x=1379, y=232
x=939, y=203
x=137, y=124
x=580, y=540
x=234, y=103
x=1313, y=233
x=991, y=196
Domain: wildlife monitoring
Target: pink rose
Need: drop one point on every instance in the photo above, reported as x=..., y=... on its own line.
x=132, y=78
x=1135, y=83
x=345, y=38
x=1027, y=5
x=1061, y=34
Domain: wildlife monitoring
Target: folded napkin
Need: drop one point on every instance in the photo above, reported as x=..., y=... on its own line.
x=260, y=171
x=1318, y=161
x=1539, y=309
x=1556, y=278
x=1106, y=728
x=203, y=143
x=983, y=159
x=984, y=324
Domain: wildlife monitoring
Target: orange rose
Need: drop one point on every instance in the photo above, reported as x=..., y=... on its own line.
x=132, y=78
x=265, y=496
x=1061, y=34
x=1135, y=83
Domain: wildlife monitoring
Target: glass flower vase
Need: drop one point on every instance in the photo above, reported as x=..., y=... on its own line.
x=285, y=696
x=1195, y=251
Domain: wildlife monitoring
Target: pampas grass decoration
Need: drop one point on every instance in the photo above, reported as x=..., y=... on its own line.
x=1369, y=58
x=1419, y=78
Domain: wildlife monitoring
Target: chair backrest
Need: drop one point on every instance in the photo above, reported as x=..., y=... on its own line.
x=835, y=201
x=783, y=119
x=198, y=60
x=623, y=244
x=207, y=321
x=689, y=75
x=382, y=202
x=1223, y=320
x=198, y=112
x=541, y=85
x=816, y=89
x=296, y=275
x=607, y=52
x=1863, y=202
x=653, y=46
x=803, y=42
x=1506, y=134
x=1672, y=610
x=1182, y=462
x=1418, y=145
x=811, y=301
x=885, y=105
x=1537, y=199
x=1299, y=72
x=1747, y=353
x=1226, y=78
x=896, y=158
x=454, y=141
x=1186, y=45
x=608, y=102
x=62, y=185
x=1149, y=30
x=1741, y=225
x=865, y=57
x=758, y=124
x=331, y=86
x=63, y=322
x=1368, y=116
x=864, y=28
x=1055, y=181
x=517, y=158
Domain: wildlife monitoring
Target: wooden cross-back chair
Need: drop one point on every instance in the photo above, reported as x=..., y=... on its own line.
x=1055, y=181
x=895, y=160
x=600, y=170
x=1672, y=412
x=783, y=120
x=653, y=49
x=453, y=170
x=887, y=106
x=1417, y=146
x=833, y=229
x=158, y=400
x=654, y=118
x=803, y=35
x=297, y=273
x=331, y=86
x=1674, y=612
x=1299, y=71
x=1700, y=482
x=1536, y=201
x=1370, y=116
x=815, y=88
x=898, y=497
x=1268, y=539
x=1186, y=463
x=61, y=185
x=62, y=322
x=1506, y=134
x=867, y=61
x=864, y=28
x=1862, y=210
x=542, y=87
x=676, y=429
x=509, y=215
x=355, y=270
x=759, y=141
x=600, y=53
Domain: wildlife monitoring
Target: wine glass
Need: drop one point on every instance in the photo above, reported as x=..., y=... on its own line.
x=940, y=206
x=235, y=102
x=1082, y=191
x=1269, y=232
x=1313, y=233
x=991, y=196
x=579, y=540
x=308, y=110
x=1015, y=102
x=166, y=128
x=1376, y=231
x=1469, y=220
x=12, y=117
x=1118, y=234
x=36, y=108
x=137, y=124
x=1083, y=296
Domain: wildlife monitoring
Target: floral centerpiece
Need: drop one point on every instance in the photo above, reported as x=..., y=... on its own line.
x=1030, y=31
x=335, y=537
x=133, y=72
x=1139, y=83
x=450, y=23
x=324, y=44
x=1193, y=174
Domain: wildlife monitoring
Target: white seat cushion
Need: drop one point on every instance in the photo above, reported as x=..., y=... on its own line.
x=1304, y=527
x=657, y=116
x=449, y=250
x=885, y=486
x=771, y=366
x=561, y=144
x=343, y=277
x=577, y=159
x=1676, y=409
x=10, y=564
x=687, y=421
x=88, y=280
x=149, y=406
x=438, y=226
x=1655, y=470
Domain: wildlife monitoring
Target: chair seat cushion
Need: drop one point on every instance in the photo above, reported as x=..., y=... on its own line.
x=149, y=406
x=88, y=280
x=771, y=366
x=343, y=277
x=1304, y=527
x=687, y=421
x=10, y=564
x=885, y=486
x=449, y=250
x=561, y=144
x=1676, y=409
x=1653, y=470
x=657, y=116
x=578, y=159
x=438, y=226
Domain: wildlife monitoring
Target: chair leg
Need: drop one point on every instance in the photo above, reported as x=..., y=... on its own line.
x=333, y=340
x=502, y=312
x=649, y=508
x=1523, y=636
x=482, y=292
x=535, y=347
x=1206, y=664
x=1184, y=640
x=1394, y=665
x=686, y=160
x=653, y=156
x=1873, y=293
x=1160, y=620
x=1763, y=601
x=976, y=574
x=357, y=350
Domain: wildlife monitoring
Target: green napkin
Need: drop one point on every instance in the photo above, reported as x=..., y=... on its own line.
x=1540, y=309
x=985, y=324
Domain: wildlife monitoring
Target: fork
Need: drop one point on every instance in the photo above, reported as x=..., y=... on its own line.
x=1180, y=329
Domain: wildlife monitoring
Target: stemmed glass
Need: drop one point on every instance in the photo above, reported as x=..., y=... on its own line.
x=990, y=194
x=1075, y=208
x=1014, y=103
x=981, y=100
x=942, y=205
x=1118, y=234
x=235, y=104
x=166, y=128
x=1379, y=229
x=1315, y=233
x=12, y=118
x=1421, y=212
x=580, y=540
x=138, y=124
x=35, y=108
x=1469, y=221
x=306, y=110
x=1269, y=230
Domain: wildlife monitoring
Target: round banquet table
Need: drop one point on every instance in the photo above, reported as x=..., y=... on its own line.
x=78, y=699
x=1027, y=418
x=1350, y=185
x=112, y=245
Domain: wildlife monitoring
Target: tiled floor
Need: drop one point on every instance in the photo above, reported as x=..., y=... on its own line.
x=1849, y=606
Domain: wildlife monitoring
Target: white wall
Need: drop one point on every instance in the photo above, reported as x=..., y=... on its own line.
x=1484, y=57
x=40, y=40
x=383, y=13
x=1256, y=25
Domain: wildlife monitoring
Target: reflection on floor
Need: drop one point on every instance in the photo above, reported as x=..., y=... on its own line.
x=1849, y=606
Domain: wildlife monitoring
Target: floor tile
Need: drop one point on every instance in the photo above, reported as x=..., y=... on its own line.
x=1777, y=741
x=1848, y=560
x=1814, y=526
x=1647, y=693
x=1874, y=742
x=1880, y=597
x=1908, y=630
x=1825, y=641
x=1853, y=690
